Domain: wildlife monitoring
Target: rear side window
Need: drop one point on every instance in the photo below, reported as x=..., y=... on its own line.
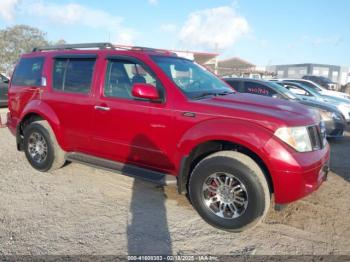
x=258, y=89
x=28, y=72
x=73, y=75
x=236, y=85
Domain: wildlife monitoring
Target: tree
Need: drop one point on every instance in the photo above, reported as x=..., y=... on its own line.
x=17, y=40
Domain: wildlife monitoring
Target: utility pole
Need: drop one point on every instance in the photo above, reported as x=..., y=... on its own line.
x=216, y=69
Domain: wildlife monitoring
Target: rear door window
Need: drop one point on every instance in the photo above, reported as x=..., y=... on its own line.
x=28, y=72
x=258, y=89
x=73, y=75
x=236, y=85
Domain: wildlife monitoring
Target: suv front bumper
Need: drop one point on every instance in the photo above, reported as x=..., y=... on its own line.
x=295, y=175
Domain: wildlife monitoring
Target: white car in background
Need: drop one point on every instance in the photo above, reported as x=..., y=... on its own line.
x=316, y=87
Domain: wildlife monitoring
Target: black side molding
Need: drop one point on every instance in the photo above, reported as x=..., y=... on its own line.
x=125, y=169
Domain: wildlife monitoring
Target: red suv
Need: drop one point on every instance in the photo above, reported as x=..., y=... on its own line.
x=149, y=113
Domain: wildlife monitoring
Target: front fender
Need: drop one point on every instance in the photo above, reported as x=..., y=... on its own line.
x=247, y=134
x=45, y=112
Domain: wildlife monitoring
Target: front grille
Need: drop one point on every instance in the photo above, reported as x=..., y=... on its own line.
x=317, y=136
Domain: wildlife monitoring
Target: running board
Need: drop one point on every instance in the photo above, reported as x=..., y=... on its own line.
x=124, y=169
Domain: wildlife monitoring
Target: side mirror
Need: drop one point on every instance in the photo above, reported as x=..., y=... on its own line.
x=145, y=91
x=6, y=81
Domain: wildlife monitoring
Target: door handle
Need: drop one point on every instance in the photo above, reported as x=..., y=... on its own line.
x=102, y=108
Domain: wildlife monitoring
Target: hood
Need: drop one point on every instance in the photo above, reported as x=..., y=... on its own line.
x=336, y=100
x=320, y=105
x=272, y=113
x=335, y=94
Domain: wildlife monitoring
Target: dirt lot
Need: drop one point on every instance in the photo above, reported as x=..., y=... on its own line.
x=82, y=210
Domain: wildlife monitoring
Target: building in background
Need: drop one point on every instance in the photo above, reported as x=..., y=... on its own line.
x=344, y=75
x=238, y=67
x=201, y=58
x=332, y=72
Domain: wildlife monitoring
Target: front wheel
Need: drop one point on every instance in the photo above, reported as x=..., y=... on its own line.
x=229, y=191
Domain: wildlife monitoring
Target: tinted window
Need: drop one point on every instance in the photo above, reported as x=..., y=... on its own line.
x=28, y=72
x=73, y=75
x=121, y=75
x=235, y=84
x=258, y=89
x=310, y=85
x=297, y=90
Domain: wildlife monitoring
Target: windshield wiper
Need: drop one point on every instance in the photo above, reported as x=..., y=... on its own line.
x=206, y=94
x=225, y=93
x=203, y=95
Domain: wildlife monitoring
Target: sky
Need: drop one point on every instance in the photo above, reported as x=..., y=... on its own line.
x=263, y=32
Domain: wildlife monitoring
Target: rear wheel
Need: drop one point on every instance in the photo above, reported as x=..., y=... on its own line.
x=41, y=147
x=229, y=191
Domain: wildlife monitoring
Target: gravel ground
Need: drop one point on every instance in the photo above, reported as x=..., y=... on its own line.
x=80, y=210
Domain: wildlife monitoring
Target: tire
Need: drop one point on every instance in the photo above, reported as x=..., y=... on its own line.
x=247, y=180
x=54, y=158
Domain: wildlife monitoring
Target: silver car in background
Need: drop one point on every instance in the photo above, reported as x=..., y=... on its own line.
x=323, y=91
x=311, y=94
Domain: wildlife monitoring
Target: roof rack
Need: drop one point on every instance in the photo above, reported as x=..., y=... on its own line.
x=100, y=46
x=142, y=48
x=74, y=46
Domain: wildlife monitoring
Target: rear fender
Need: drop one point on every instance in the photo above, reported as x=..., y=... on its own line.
x=45, y=112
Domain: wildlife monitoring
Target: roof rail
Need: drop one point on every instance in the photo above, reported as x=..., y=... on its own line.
x=156, y=50
x=74, y=46
x=100, y=46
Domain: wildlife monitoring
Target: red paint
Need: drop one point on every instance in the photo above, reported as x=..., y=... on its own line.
x=145, y=91
x=158, y=135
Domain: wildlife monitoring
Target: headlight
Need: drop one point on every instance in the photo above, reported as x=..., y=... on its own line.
x=296, y=137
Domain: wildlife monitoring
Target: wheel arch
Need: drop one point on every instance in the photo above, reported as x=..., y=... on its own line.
x=206, y=148
x=36, y=112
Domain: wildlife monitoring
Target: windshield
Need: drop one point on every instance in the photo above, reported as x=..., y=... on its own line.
x=325, y=80
x=282, y=90
x=194, y=80
x=308, y=89
x=308, y=84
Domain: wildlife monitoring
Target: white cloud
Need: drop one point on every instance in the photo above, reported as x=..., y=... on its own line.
x=168, y=27
x=68, y=15
x=7, y=9
x=76, y=14
x=153, y=2
x=218, y=27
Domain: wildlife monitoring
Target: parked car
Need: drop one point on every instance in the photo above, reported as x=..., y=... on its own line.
x=4, y=81
x=316, y=87
x=322, y=81
x=148, y=113
x=332, y=117
x=343, y=105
